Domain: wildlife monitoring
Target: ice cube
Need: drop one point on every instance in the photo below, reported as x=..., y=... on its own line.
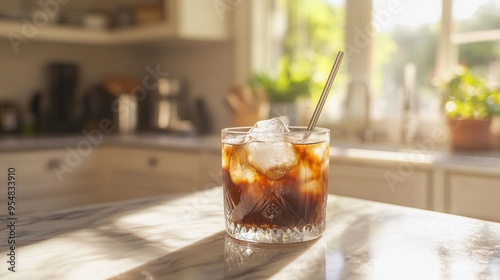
x=321, y=151
x=264, y=130
x=305, y=172
x=313, y=188
x=273, y=159
x=239, y=169
x=237, y=139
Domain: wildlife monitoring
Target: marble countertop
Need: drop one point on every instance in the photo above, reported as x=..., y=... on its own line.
x=182, y=237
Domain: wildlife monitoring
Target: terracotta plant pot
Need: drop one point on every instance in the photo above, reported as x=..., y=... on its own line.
x=469, y=135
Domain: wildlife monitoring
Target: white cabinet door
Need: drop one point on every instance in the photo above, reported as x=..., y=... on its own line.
x=373, y=183
x=474, y=196
x=50, y=179
x=138, y=172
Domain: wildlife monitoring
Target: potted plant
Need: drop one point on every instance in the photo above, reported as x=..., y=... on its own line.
x=469, y=105
x=283, y=91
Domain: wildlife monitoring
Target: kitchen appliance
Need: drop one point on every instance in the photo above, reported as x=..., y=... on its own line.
x=98, y=104
x=168, y=100
x=127, y=113
x=10, y=118
x=35, y=109
x=62, y=81
x=124, y=105
x=166, y=108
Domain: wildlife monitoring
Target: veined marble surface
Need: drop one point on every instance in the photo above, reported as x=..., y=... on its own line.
x=182, y=237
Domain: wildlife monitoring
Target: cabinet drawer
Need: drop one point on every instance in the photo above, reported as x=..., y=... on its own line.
x=136, y=172
x=38, y=166
x=475, y=197
x=48, y=171
x=172, y=164
x=371, y=183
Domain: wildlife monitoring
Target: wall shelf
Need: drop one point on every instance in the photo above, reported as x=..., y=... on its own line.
x=183, y=20
x=80, y=35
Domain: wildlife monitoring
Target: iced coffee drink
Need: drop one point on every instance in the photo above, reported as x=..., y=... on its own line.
x=275, y=181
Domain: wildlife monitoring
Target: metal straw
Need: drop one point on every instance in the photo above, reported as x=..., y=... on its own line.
x=326, y=90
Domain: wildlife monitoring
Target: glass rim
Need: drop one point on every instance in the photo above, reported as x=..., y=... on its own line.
x=293, y=130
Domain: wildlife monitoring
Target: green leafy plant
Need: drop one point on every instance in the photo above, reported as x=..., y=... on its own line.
x=467, y=96
x=287, y=86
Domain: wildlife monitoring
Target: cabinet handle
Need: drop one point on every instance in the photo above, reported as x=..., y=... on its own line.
x=55, y=163
x=152, y=162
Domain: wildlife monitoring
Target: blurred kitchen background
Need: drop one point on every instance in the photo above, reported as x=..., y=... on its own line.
x=62, y=63
x=59, y=56
x=169, y=74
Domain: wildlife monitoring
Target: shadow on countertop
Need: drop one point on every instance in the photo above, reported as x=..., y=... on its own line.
x=221, y=257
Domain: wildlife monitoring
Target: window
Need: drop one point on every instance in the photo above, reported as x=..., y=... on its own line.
x=405, y=37
x=476, y=37
x=306, y=34
x=395, y=51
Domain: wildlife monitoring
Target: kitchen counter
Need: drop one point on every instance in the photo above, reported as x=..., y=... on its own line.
x=182, y=237
x=428, y=155
x=437, y=158
x=141, y=140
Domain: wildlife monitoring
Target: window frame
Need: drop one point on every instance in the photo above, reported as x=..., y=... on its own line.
x=358, y=13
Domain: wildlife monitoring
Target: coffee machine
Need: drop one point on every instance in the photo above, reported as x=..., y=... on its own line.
x=166, y=108
x=60, y=110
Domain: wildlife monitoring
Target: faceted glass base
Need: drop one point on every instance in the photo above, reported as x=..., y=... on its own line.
x=289, y=235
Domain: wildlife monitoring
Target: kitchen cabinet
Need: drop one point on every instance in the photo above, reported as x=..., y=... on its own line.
x=474, y=196
x=59, y=178
x=183, y=19
x=367, y=181
x=138, y=172
x=50, y=179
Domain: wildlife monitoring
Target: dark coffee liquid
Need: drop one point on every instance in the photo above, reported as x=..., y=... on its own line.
x=288, y=198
